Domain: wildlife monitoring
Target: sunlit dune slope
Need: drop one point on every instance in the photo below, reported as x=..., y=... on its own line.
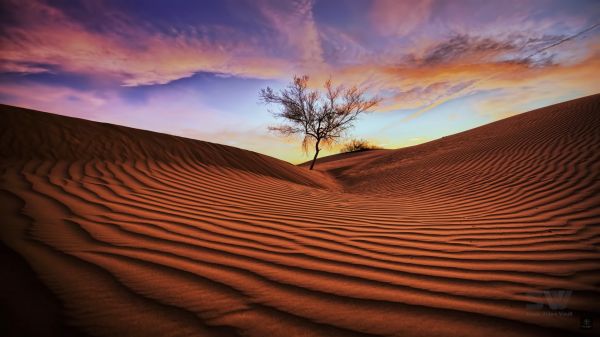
x=141, y=234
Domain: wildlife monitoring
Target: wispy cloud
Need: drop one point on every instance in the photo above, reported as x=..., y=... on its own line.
x=296, y=29
x=563, y=40
x=400, y=18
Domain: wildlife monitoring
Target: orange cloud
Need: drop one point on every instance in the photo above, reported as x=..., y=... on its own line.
x=459, y=67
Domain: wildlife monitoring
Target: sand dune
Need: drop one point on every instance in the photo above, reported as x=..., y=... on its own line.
x=136, y=233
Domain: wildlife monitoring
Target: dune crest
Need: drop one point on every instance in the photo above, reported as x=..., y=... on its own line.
x=144, y=234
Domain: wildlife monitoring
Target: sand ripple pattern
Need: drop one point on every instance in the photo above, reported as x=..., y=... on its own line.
x=141, y=234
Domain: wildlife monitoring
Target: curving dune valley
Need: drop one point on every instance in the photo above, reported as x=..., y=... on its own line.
x=113, y=231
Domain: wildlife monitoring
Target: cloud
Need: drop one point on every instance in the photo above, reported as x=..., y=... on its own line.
x=563, y=40
x=44, y=37
x=472, y=49
x=463, y=64
x=341, y=48
x=399, y=17
x=509, y=95
x=296, y=29
x=22, y=67
x=465, y=48
x=425, y=97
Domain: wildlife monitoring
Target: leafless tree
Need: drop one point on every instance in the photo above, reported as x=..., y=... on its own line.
x=320, y=117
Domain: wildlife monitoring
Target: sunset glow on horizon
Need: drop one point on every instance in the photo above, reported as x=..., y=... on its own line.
x=194, y=68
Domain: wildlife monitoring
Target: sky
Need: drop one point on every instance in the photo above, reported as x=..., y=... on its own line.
x=195, y=68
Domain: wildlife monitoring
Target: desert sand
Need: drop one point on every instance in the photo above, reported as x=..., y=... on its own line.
x=113, y=231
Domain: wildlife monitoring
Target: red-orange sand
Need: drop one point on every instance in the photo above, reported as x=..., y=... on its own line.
x=113, y=231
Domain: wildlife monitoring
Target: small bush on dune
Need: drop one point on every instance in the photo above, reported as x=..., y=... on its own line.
x=356, y=145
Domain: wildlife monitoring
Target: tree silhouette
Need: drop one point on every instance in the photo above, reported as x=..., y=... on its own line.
x=320, y=117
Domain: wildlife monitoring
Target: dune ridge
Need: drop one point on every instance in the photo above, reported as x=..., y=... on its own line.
x=145, y=234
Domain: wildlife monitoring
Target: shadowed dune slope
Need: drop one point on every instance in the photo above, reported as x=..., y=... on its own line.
x=141, y=234
x=28, y=134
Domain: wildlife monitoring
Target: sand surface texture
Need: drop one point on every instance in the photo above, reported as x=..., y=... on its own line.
x=133, y=233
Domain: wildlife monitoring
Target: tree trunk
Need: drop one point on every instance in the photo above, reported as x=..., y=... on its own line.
x=316, y=154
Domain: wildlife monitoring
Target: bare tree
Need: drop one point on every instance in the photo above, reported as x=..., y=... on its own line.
x=320, y=117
